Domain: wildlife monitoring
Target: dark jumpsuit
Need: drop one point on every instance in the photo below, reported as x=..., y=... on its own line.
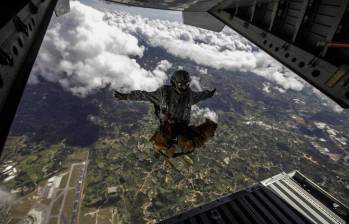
x=166, y=99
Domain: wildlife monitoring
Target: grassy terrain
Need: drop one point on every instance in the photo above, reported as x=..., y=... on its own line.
x=251, y=144
x=34, y=162
x=259, y=135
x=68, y=205
x=64, y=180
x=53, y=220
x=57, y=206
x=30, y=199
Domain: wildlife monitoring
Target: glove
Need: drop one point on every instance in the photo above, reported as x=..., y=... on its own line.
x=119, y=96
x=212, y=92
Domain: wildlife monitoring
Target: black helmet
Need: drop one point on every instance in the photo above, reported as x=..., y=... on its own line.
x=180, y=80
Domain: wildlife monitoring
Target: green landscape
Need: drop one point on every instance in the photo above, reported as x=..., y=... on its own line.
x=259, y=134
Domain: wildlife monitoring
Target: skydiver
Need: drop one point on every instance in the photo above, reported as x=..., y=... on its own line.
x=172, y=103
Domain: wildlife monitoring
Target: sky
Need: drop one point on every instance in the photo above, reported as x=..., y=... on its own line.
x=96, y=45
x=145, y=12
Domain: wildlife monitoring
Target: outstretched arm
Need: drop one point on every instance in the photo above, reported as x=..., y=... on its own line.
x=139, y=95
x=203, y=95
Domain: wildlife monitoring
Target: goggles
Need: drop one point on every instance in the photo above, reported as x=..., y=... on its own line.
x=183, y=84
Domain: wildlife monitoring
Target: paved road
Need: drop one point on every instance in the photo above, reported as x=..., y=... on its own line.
x=61, y=217
x=78, y=190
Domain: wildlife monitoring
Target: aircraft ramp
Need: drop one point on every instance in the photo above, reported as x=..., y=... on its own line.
x=284, y=198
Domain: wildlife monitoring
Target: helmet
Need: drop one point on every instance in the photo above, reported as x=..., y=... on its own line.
x=180, y=80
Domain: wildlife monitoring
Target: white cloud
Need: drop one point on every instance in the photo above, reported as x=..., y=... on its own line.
x=89, y=49
x=337, y=108
x=272, y=70
x=328, y=101
x=201, y=70
x=226, y=50
x=281, y=90
x=83, y=53
x=266, y=87
x=198, y=115
x=195, y=83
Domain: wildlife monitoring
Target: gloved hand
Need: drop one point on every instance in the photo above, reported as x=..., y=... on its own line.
x=212, y=92
x=119, y=96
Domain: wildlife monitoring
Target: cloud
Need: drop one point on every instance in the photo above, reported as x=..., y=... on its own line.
x=195, y=83
x=83, y=53
x=272, y=70
x=201, y=70
x=266, y=87
x=198, y=115
x=226, y=50
x=88, y=49
x=328, y=101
